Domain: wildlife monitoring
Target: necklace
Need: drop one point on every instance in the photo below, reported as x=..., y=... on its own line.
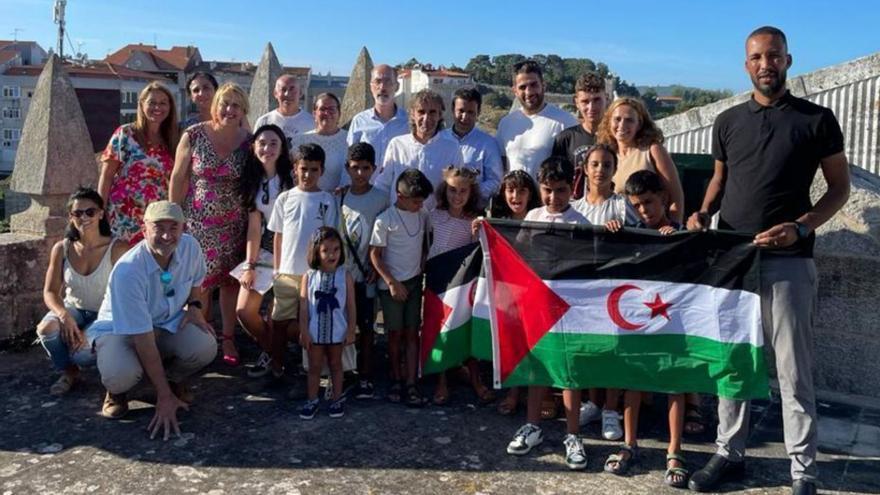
x=405, y=227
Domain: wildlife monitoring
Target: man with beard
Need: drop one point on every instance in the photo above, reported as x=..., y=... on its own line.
x=288, y=116
x=378, y=125
x=151, y=319
x=590, y=99
x=526, y=134
x=479, y=150
x=425, y=148
x=767, y=151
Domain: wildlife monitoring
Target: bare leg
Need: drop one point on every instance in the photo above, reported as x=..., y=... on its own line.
x=412, y=354
x=279, y=344
x=533, y=409
x=631, y=403
x=316, y=364
x=394, y=339
x=334, y=362
x=612, y=399
x=247, y=308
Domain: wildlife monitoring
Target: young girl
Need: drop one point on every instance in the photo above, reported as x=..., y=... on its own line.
x=326, y=316
x=457, y=199
x=602, y=206
x=518, y=195
x=79, y=267
x=267, y=172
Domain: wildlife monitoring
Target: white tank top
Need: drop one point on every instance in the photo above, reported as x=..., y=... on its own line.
x=326, y=297
x=87, y=292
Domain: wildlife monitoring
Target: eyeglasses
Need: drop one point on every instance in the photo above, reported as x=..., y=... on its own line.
x=166, y=279
x=265, y=198
x=89, y=212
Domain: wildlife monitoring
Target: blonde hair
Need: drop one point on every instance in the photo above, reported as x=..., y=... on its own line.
x=647, y=134
x=226, y=88
x=167, y=129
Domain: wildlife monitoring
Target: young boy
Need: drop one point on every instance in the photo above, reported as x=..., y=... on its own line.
x=398, y=248
x=360, y=207
x=645, y=192
x=297, y=214
x=556, y=182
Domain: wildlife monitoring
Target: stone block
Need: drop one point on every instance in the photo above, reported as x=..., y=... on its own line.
x=23, y=262
x=262, y=98
x=845, y=362
x=357, y=94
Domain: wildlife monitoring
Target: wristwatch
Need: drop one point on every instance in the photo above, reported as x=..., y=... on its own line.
x=802, y=230
x=195, y=303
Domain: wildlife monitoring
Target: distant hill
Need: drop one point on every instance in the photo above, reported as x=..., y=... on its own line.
x=668, y=90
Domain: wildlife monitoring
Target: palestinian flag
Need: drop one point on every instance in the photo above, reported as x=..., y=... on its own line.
x=577, y=307
x=450, y=284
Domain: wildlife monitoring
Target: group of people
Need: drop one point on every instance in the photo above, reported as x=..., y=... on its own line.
x=332, y=220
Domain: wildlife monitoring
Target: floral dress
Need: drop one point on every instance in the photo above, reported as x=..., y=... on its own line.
x=142, y=178
x=214, y=212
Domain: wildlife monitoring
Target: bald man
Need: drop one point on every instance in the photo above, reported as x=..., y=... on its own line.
x=288, y=116
x=378, y=125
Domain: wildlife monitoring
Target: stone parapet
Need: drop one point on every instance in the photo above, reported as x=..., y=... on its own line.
x=23, y=261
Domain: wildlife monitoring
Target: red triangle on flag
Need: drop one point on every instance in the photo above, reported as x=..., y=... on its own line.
x=525, y=308
x=436, y=312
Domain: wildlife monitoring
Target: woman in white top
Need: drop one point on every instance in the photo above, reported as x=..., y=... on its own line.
x=330, y=138
x=79, y=267
x=267, y=172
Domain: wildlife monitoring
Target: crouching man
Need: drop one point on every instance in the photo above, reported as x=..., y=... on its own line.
x=150, y=321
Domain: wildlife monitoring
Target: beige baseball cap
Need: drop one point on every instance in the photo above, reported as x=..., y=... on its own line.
x=163, y=210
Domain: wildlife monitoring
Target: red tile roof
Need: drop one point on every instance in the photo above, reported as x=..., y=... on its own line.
x=6, y=56
x=177, y=58
x=98, y=70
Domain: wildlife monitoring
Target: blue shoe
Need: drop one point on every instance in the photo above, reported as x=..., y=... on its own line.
x=309, y=410
x=337, y=408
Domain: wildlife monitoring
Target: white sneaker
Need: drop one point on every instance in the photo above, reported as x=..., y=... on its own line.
x=589, y=412
x=611, y=429
x=527, y=437
x=575, y=457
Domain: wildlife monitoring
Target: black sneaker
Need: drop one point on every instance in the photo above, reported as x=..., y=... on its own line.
x=261, y=367
x=337, y=408
x=309, y=410
x=364, y=390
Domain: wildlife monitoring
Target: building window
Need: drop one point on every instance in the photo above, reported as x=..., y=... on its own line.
x=129, y=97
x=11, y=113
x=11, y=91
x=11, y=134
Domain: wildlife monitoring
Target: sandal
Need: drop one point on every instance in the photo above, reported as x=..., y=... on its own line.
x=694, y=422
x=394, y=391
x=549, y=409
x=508, y=406
x=229, y=358
x=484, y=395
x=63, y=385
x=620, y=462
x=441, y=396
x=414, y=397
x=676, y=477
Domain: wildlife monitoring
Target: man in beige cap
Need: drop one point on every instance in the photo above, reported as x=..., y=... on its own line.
x=151, y=315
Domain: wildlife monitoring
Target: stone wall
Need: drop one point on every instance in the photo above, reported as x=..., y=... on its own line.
x=23, y=260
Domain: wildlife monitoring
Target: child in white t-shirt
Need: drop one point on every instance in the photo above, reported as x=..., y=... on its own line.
x=297, y=214
x=398, y=248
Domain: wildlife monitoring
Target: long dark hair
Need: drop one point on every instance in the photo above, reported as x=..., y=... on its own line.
x=514, y=179
x=253, y=173
x=87, y=193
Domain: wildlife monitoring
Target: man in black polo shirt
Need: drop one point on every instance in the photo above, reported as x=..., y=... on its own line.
x=767, y=151
x=591, y=100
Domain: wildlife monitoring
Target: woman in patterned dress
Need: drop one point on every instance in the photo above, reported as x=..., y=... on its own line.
x=137, y=163
x=205, y=180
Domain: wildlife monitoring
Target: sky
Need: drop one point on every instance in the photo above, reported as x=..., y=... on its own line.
x=696, y=43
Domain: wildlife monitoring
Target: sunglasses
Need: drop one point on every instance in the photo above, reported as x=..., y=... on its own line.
x=166, y=279
x=89, y=212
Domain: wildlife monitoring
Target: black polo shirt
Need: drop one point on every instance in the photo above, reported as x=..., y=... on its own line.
x=771, y=154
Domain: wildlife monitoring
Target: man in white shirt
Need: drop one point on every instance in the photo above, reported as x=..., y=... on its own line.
x=378, y=125
x=526, y=134
x=425, y=148
x=288, y=116
x=479, y=150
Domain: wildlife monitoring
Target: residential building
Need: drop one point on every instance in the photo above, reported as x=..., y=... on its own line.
x=441, y=80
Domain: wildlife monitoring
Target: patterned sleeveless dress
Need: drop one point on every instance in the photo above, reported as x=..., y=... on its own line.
x=214, y=213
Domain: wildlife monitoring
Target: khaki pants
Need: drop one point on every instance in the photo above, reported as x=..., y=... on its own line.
x=184, y=352
x=788, y=294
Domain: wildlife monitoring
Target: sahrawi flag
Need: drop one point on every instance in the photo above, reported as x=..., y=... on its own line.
x=577, y=307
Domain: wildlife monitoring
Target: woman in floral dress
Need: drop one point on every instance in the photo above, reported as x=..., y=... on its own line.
x=205, y=180
x=137, y=163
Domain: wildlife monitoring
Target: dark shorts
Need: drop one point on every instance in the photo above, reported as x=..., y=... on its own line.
x=400, y=315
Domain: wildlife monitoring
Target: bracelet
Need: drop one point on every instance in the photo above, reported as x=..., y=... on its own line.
x=249, y=266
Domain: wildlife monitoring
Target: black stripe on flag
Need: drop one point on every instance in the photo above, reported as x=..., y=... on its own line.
x=453, y=268
x=715, y=258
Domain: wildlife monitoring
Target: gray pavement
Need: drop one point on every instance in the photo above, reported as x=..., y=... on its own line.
x=244, y=436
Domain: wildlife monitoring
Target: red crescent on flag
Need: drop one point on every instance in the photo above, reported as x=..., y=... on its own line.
x=614, y=307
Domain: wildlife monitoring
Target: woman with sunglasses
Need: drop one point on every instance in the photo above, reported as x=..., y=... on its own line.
x=267, y=172
x=79, y=267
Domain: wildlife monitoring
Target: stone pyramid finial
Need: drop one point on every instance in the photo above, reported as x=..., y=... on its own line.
x=357, y=95
x=54, y=155
x=262, y=99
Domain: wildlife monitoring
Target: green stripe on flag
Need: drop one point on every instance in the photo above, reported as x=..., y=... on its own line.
x=451, y=348
x=481, y=339
x=635, y=362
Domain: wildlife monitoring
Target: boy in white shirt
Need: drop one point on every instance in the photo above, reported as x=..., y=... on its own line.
x=297, y=214
x=398, y=249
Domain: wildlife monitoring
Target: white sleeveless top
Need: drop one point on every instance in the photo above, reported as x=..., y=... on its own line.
x=326, y=298
x=87, y=291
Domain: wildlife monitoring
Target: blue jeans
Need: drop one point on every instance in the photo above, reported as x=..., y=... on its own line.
x=58, y=350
